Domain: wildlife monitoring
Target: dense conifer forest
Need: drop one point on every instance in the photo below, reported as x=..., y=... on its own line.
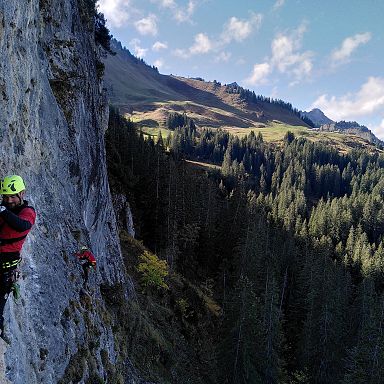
x=290, y=236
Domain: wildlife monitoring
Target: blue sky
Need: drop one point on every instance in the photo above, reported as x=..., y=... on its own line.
x=327, y=54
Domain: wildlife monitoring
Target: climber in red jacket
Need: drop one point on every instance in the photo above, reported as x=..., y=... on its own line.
x=16, y=220
x=89, y=261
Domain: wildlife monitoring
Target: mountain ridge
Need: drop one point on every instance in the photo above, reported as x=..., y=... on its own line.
x=325, y=124
x=148, y=97
x=318, y=117
x=133, y=84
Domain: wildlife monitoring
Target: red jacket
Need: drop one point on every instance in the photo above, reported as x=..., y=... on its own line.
x=86, y=255
x=15, y=225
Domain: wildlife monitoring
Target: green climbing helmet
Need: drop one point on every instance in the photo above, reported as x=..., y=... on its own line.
x=12, y=185
x=83, y=248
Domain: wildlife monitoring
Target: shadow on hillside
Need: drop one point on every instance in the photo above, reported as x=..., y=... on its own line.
x=258, y=112
x=206, y=98
x=130, y=81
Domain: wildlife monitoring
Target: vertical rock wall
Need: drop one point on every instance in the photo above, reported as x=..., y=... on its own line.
x=53, y=115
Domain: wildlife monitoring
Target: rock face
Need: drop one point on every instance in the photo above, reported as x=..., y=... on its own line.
x=123, y=213
x=53, y=115
x=352, y=128
x=317, y=116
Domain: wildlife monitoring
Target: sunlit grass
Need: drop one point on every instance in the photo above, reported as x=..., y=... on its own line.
x=275, y=132
x=154, y=132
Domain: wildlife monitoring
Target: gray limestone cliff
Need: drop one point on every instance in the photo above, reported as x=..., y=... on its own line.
x=53, y=116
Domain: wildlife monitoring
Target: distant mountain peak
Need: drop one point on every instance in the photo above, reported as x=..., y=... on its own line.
x=318, y=117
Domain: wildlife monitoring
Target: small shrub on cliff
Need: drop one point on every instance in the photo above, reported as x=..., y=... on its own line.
x=87, y=10
x=153, y=271
x=102, y=35
x=183, y=307
x=100, y=67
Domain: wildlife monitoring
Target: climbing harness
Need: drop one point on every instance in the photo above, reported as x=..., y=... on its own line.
x=10, y=264
x=8, y=278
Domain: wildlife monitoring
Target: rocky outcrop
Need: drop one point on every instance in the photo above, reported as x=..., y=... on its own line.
x=53, y=115
x=123, y=213
x=351, y=128
x=317, y=117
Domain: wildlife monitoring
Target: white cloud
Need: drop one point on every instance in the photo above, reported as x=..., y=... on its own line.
x=137, y=50
x=179, y=13
x=239, y=30
x=241, y=61
x=223, y=57
x=182, y=15
x=202, y=44
x=260, y=74
x=167, y=3
x=286, y=57
x=159, y=46
x=278, y=4
x=378, y=130
x=159, y=63
x=182, y=53
x=147, y=25
x=233, y=30
x=115, y=11
x=369, y=99
x=349, y=45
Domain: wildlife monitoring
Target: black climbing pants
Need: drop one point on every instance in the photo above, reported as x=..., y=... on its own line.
x=86, y=267
x=8, y=277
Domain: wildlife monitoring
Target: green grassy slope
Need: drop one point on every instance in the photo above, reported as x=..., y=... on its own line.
x=147, y=98
x=131, y=82
x=275, y=132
